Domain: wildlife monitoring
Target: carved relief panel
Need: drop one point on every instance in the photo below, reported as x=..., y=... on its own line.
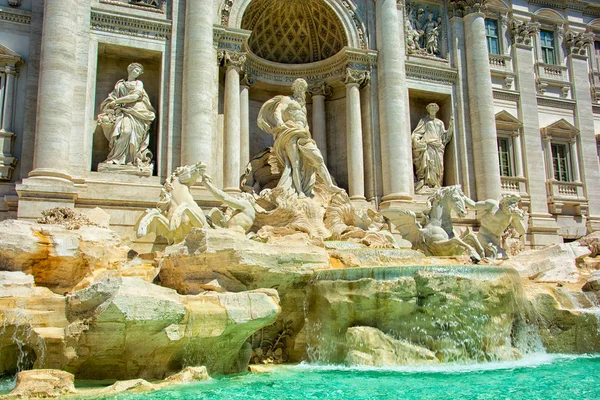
x=425, y=30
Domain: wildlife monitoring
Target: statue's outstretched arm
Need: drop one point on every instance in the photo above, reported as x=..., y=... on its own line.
x=221, y=195
x=448, y=134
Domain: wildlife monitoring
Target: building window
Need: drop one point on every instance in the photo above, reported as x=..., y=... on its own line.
x=547, y=45
x=597, y=55
x=491, y=34
x=560, y=162
x=504, y=157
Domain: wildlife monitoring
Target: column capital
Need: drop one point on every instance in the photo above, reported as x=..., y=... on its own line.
x=235, y=59
x=246, y=79
x=523, y=31
x=355, y=76
x=10, y=70
x=461, y=8
x=320, y=89
x=578, y=42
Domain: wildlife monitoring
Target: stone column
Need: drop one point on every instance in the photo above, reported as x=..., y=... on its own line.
x=394, y=123
x=481, y=101
x=578, y=44
x=10, y=74
x=231, y=131
x=198, y=114
x=50, y=183
x=319, y=128
x=574, y=153
x=367, y=130
x=244, y=123
x=542, y=228
x=354, y=139
x=516, y=141
x=2, y=90
x=55, y=93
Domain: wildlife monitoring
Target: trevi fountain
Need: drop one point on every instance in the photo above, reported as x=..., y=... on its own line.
x=229, y=261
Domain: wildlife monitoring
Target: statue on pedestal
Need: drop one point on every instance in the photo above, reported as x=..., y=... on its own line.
x=285, y=118
x=125, y=121
x=429, y=141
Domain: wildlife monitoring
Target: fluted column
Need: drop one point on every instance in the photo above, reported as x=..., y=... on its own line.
x=354, y=139
x=199, y=85
x=319, y=128
x=231, y=130
x=9, y=98
x=394, y=125
x=55, y=92
x=244, y=123
x=481, y=101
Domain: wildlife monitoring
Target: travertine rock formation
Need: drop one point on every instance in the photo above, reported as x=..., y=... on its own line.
x=42, y=383
x=127, y=328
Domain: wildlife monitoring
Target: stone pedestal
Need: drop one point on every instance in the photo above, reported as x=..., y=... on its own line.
x=394, y=123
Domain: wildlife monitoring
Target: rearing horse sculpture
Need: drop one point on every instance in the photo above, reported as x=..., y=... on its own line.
x=436, y=237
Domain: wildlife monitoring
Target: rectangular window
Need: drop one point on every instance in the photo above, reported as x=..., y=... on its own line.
x=560, y=163
x=491, y=34
x=547, y=44
x=504, y=157
x=597, y=54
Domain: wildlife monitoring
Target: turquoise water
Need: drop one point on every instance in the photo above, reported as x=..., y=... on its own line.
x=537, y=377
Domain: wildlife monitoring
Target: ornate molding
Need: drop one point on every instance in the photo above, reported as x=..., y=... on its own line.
x=356, y=77
x=523, y=31
x=314, y=73
x=360, y=27
x=14, y=3
x=15, y=16
x=431, y=74
x=461, y=8
x=121, y=25
x=321, y=89
x=229, y=38
x=225, y=12
x=160, y=8
x=228, y=58
x=578, y=42
x=596, y=110
x=556, y=103
x=506, y=95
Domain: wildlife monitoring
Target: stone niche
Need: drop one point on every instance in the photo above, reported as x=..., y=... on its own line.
x=112, y=66
x=418, y=101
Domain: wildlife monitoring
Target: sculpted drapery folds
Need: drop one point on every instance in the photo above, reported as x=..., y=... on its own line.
x=125, y=120
x=285, y=118
x=429, y=140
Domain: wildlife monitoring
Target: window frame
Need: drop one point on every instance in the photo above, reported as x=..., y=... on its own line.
x=510, y=162
x=545, y=49
x=489, y=38
x=566, y=169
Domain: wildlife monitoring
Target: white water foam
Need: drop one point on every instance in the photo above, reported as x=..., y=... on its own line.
x=528, y=361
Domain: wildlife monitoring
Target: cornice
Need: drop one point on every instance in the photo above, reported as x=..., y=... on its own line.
x=131, y=26
x=556, y=103
x=422, y=72
x=15, y=16
x=506, y=95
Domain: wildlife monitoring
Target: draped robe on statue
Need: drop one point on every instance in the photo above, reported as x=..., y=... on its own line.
x=429, y=140
x=292, y=132
x=128, y=136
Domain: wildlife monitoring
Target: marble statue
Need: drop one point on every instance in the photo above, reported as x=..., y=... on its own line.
x=176, y=212
x=431, y=34
x=495, y=217
x=436, y=236
x=422, y=31
x=296, y=152
x=242, y=208
x=429, y=141
x=125, y=121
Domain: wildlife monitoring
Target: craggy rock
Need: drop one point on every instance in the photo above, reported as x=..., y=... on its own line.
x=593, y=283
x=555, y=263
x=238, y=264
x=125, y=328
x=189, y=374
x=370, y=346
x=42, y=383
x=457, y=313
x=58, y=258
x=132, y=386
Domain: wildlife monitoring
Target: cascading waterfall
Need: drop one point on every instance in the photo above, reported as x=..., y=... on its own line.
x=423, y=314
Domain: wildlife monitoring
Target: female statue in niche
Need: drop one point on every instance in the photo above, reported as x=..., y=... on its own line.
x=429, y=141
x=125, y=121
